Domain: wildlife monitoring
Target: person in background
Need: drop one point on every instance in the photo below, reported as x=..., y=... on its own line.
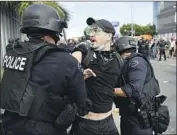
x=175, y=48
x=154, y=49
x=161, y=45
x=172, y=46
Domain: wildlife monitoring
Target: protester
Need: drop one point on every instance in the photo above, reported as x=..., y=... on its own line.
x=102, y=68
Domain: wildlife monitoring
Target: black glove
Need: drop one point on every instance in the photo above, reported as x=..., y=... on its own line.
x=83, y=47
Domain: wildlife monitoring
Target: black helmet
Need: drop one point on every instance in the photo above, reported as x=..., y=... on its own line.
x=125, y=43
x=41, y=17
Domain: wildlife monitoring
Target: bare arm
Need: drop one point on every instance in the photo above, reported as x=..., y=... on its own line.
x=78, y=56
x=119, y=92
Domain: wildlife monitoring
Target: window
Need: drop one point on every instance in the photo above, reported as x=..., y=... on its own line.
x=161, y=5
x=175, y=17
x=163, y=22
x=158, y=7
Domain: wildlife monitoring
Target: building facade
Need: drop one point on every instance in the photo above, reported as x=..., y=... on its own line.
x=166, y=19
x=156, y=11
x=10, y=26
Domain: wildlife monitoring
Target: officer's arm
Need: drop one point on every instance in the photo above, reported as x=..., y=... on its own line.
x=80, y=51
x=137, y=71
x=76, y=86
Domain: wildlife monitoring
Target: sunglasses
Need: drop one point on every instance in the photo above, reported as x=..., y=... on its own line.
x=92, y=30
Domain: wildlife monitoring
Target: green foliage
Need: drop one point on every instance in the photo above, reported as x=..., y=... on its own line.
x=124, y=30
x=20, y=6
x=139, y=29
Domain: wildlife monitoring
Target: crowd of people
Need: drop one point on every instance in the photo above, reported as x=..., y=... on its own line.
x=48, y=86
x=155, y=48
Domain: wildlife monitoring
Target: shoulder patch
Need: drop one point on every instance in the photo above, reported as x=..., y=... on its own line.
x=133, y=63
x=80, y=68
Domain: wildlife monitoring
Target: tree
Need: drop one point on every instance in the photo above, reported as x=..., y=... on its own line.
x=139, y=29
x=20, y=6
x=125, y=29
x=153, y=29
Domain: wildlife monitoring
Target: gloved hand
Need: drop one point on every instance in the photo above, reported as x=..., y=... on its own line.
x=82, y=47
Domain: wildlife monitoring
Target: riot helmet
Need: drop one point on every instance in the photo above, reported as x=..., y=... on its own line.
x=125, y=43
x=40, y=19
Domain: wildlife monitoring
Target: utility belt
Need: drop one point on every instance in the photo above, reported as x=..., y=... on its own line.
x=62, y=121
x=142, y=116
x=132, y=108
x=127, y=107
x=156, y=116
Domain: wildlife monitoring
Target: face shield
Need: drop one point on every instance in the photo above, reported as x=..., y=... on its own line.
x=92, y=30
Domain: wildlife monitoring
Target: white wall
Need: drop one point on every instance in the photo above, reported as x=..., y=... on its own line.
x=9, y=26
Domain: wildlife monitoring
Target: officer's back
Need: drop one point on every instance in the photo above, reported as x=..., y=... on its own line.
x=41, y=80
x=53, y=75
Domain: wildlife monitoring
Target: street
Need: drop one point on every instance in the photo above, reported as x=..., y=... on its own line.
x=165, y=72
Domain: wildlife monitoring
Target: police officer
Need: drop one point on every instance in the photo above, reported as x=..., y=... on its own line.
x=42, y=82
x=161, y=45
x=101, y=74
x=135, y=74
x=143, y=47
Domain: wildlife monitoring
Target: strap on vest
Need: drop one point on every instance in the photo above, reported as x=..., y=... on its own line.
x=88, y=57
x=120, y=61
x=43, y=50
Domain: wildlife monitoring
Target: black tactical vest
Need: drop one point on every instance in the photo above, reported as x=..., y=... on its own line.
x=18, y=93
x=151, y=89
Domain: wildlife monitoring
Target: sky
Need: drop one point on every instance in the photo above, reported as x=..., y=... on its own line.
x=142, y=13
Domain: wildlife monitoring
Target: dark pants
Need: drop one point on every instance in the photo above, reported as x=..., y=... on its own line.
x=130, y=125
x=162, y=52
x=22, y=126
x=91, y=127
x=171, y=51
